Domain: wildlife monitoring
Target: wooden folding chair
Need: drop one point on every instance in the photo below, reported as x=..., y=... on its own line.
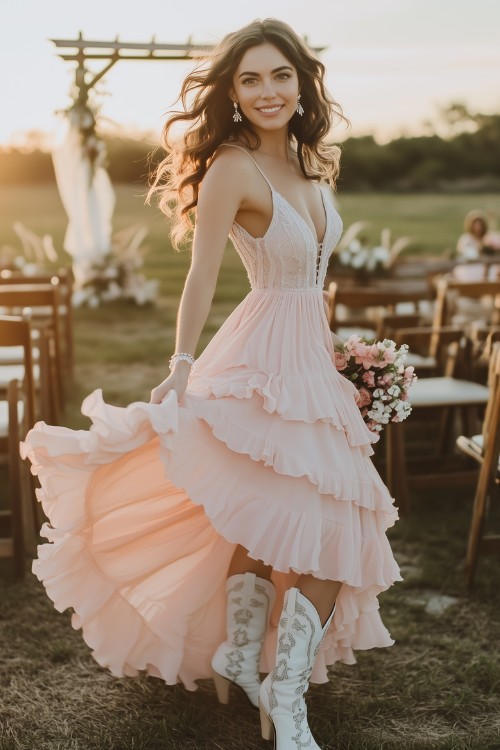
x=482, y=339
x=17, y=415
x=485, y=449
x=15, y=299
x=12, y=520
x=450, y=293
x=428, y=348
x=63, y=278
x=369, y=303
x=445, y=393
x=13, y=361
x=388, y=323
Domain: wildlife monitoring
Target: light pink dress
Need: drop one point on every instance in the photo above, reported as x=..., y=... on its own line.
x=266, y=449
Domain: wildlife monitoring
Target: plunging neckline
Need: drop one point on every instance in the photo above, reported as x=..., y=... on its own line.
x=313, y=233
x=304, y=222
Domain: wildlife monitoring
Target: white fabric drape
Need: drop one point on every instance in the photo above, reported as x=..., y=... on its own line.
x=88, y=199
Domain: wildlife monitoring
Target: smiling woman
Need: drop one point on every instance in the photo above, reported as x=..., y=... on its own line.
x=235, y=524
x=244, y=71
x=274, y=92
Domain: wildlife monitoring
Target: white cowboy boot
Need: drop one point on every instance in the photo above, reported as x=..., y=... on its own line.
x=250, y=602
x=283, y=710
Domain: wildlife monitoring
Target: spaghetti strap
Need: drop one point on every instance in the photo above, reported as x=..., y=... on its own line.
x=235, y=145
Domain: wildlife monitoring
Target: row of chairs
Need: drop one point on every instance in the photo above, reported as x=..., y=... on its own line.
x=441, y=302
x=36, y=365
x=36, y=361
x=457, y=364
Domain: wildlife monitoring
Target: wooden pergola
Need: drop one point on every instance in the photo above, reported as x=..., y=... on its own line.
x=115, y=50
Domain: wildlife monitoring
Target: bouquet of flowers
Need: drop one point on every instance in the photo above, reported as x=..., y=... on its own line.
x=378, y=371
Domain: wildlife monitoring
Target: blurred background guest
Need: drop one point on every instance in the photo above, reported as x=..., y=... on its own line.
x=471, y=243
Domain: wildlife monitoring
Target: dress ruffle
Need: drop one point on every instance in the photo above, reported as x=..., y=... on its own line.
x=266, y=449
x=146, y=508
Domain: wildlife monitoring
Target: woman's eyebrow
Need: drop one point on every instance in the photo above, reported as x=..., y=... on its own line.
x=275, y=70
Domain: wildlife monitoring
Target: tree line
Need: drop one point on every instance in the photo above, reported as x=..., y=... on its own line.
x=467, y=158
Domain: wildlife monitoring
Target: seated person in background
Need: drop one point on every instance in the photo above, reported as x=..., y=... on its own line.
x=477, y=247
x=480, y=237
x=470, y=245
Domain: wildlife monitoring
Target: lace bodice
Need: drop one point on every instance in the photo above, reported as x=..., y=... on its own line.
x=287, y=256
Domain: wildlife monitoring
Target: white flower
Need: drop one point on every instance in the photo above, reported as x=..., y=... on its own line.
x=394, y=390
x=359, y=260
x=354, y=246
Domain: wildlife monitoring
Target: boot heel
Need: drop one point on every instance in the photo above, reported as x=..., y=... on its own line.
x=266, y=725
x=222, y=685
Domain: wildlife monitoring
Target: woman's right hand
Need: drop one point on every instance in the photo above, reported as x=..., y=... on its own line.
x=177, y=381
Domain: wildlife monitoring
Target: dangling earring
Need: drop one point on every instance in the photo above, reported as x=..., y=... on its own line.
x=300, y=108
x=237, y=115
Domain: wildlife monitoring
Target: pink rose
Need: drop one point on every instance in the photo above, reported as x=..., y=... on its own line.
x=364, y=398
x=389, y=356
x=368, y=377
x=367, y=355
x=341, y=360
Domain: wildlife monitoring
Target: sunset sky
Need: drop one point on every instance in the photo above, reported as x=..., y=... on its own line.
x=390, y=63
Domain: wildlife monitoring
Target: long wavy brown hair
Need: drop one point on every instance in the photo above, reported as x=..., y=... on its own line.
x=208, y=110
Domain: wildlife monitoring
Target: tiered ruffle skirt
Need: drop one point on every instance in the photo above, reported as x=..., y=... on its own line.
x=266, y=449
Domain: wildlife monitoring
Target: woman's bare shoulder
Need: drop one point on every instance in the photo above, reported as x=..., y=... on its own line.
x=234, y=158
x=225, y=185
x=233, y=169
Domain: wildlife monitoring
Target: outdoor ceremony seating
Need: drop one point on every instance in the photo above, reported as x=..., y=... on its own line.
x=444, y=394
x=41, y=299
x=19, y=519
x=485, y=450
x=358, y=309
x=463, y=302
x=63, y=278
x=44, y=366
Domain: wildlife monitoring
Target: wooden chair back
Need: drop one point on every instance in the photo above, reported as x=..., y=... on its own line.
x=363, y=298
x=12, y=519
x=15, y=526
x=16, y=331
x=447, y=345
x=492, y=412
x=449, y=290
x=389, y=323
x=16, y=298
x=488, y=456
x=63, y=279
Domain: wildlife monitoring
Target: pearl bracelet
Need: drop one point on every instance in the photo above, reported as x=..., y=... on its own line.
x=181, y=356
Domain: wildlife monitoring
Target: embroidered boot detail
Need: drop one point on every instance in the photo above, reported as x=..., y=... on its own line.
x=282, y=693
x=249, y=604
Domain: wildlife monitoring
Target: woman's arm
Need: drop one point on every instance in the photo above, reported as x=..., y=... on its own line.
x=221, y=195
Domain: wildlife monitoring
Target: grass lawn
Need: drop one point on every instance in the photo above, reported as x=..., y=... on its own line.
x=438, y=688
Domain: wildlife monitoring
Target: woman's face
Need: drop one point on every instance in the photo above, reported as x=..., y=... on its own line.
x=478, y=228
x=266, y=87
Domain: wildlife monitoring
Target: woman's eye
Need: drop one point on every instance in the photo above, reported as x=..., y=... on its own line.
x=248, y=80
x=283, y=76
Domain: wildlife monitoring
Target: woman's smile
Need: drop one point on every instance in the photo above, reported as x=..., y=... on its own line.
x=269, y=110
